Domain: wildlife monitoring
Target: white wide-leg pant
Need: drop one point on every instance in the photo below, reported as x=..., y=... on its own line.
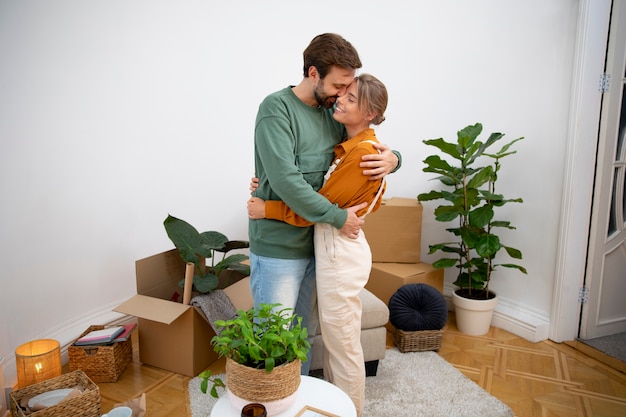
x=342, y=269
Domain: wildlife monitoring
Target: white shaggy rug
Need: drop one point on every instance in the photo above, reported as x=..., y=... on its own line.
x=406, y=385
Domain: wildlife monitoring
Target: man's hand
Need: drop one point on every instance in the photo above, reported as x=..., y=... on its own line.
x=254, y=184
x=379, y=164
x=256, y=208
x=352, y=226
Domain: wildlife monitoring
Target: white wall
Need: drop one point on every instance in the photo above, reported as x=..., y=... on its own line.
x=114, y=114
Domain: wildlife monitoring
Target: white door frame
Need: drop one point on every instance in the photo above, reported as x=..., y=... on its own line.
x=576, y=200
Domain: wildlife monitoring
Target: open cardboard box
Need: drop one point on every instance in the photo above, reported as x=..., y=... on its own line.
x=386, y=277
x=172, y=336
x=394, y=230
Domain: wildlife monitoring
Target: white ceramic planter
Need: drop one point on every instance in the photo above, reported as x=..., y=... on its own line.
x=473, y=317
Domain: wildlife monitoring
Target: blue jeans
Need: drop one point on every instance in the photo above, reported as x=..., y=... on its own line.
x=291, y=283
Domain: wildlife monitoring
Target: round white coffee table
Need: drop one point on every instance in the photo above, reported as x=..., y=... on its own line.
x=314, y=392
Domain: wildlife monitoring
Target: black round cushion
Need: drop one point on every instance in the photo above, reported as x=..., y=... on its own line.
x=418, y=307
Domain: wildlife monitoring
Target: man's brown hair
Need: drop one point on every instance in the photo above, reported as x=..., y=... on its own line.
x=330, y=49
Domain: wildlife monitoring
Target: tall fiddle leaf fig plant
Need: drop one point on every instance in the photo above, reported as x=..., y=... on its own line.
x=470, y=198
x=197, y=247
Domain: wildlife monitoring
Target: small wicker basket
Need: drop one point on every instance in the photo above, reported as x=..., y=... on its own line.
x=101, y=363
x=85, y=405
x=257, y=385
x=417, y=341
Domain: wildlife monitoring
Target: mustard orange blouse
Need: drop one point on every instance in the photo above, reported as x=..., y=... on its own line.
x=346, y=186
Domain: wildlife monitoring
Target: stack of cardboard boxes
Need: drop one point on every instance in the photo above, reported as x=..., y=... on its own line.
x=394, y=234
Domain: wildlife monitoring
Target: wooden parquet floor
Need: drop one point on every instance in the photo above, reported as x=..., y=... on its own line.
x=538, y=379
x=542, y=379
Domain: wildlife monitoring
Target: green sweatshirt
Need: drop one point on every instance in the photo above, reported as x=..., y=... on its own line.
x=294, y=146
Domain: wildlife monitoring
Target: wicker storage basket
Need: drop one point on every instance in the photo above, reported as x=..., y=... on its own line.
x=417, y=341
x=85, y=405
x=101, y=363
x=256, y=385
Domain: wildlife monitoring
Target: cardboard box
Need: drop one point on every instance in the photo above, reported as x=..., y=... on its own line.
x=394, y=230
x=386, y=278
x=172, y=336
x=240, y=294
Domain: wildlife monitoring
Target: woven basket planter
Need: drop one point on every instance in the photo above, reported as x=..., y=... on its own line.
x=257, y=385
x=85, y=405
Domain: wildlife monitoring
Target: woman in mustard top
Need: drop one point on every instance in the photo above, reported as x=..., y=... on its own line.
x=343, y=264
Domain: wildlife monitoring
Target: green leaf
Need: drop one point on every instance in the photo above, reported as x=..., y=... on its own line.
x=206, y=283
x=278, y=351
x=231, y=260
x=481, y=216
x=493, y=138
x=242, y=268
x=445, y=263
x=233, y=245
x=499, y=223
x=488, y=195
x=520, y=268
x=447, y=213
x=445, y=247
x=456, y=197
x=185, y=237
x=503, y=152
x=446, y=147
x=513, y=253
x=467, y=135
x=435, y=164
x=470, y=236
x=488, y=245
x=213, y=240
x=480, y=177
x=431, y=195
x=471, y=198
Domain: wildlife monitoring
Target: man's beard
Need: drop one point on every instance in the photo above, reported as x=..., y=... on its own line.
x=324, y=101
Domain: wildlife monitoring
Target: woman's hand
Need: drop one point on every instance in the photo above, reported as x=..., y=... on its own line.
x=256, y=208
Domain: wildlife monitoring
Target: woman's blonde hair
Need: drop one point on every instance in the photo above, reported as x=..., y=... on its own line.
x=372, y=96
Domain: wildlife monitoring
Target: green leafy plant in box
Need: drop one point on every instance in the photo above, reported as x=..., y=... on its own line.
x=196, y=247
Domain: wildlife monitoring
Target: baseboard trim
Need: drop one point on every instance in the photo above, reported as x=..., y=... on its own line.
x=512, y=317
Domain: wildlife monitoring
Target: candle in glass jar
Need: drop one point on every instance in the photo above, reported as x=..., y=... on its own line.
x=253, y=410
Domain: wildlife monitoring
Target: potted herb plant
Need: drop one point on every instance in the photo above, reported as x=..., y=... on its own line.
x=264, y=349
x=196, y=247
x=471, y=199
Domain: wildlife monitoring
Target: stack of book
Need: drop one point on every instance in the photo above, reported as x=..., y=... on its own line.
x=107, y=336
